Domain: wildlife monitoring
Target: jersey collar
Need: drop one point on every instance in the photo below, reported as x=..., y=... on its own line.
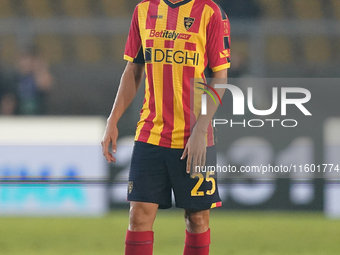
x=175, y=5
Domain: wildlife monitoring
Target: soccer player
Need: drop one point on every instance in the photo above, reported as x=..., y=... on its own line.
x=172, y=41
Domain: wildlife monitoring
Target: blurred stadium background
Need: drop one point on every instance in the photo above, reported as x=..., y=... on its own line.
x=50, y=159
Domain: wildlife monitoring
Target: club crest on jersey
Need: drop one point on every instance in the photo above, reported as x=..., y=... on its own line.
x=188, y=22
x=130, y=186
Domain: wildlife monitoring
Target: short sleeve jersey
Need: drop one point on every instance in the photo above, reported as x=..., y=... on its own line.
x=177, y=42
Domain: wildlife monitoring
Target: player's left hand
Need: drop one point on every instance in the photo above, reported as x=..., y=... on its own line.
x=195, y=149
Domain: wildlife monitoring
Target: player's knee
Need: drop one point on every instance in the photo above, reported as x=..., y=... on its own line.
x=197, y=221
x=141, y=219
x=138, y=217
x=137, y=221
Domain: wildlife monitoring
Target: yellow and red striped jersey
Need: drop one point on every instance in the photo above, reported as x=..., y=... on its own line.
x=176, y=42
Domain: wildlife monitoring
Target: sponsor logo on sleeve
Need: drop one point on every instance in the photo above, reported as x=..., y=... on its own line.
x=224, y=54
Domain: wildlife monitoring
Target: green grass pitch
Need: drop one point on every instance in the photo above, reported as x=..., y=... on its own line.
x=233, y=233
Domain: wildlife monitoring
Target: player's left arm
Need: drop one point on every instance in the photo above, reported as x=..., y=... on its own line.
x=196, y=146
x=218, y=52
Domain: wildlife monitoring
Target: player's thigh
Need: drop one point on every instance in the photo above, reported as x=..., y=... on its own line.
x=148, y=178
x=196, y=191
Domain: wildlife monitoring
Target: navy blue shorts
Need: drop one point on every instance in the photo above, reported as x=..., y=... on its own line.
x=157, y=171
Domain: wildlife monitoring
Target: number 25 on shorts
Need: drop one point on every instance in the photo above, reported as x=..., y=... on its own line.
x=195, y=192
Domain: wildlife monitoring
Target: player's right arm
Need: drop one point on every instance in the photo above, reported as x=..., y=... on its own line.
x=129, y=84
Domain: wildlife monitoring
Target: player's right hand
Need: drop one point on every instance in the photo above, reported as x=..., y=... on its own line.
x=110, y=137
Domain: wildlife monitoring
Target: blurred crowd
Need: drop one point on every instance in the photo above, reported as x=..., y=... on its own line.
x=240, y=9
x=25, y=91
